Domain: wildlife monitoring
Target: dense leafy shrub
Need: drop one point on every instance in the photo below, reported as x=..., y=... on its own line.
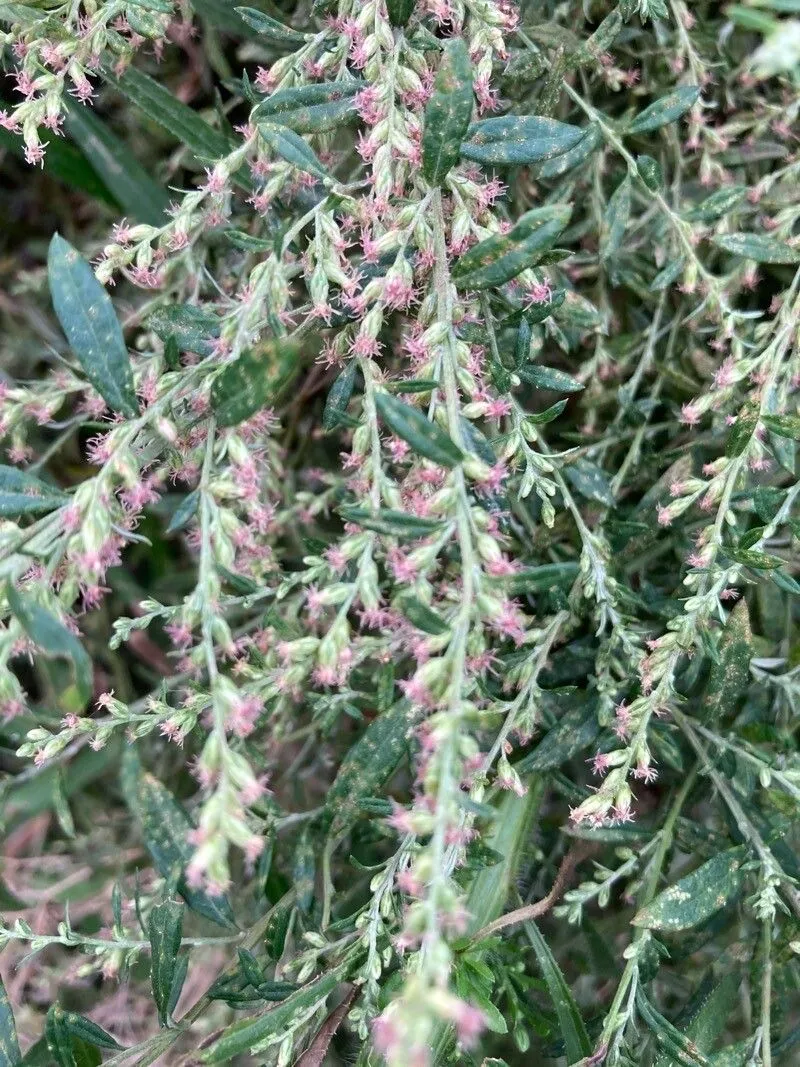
x=397, y=532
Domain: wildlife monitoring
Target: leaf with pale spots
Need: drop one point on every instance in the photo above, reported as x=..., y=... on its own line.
x=758, y=248
x=368, y=766
x=165, y=828
x=339, y=397
x=693, y=899
x=503, y=256
x=54, y=640
x=291, y=147
x=424, y=436
x=311, y=108
x=9, y=1046
x=729, y=675
x=517, y=140
x=423, y=617
x=666, y=110
x=393, y=523
x=447, y=113
x=87, y=317
x=247, y=1034
x=275, y=32
x=247, y=384
x=167, y=967
x=23, y=494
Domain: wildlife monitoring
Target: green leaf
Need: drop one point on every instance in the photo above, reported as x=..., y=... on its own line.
x=239, y=1038
x=23, y=494
x=159, y=104
x=86, y=1030
x=400, y=11
x=65, y=163
x=270, y=28
x=165, y=828
x=706, y=1015
x=339, y=396
x=737, y=1055
x=249, y=383
x=667, y=1036
x=541, y=579
x=424, y=436
x=53, y=638
x=549, y=378
x=392, y=523
x=414, y=385
x=87, y=317
x=502, y=257
x=649, y=170
x=120, y=171
x=541, y=418
x=590, y=481
x=164, y=929
x=615, y=219
x=423, y=617
x=667, y=275
x=9, y=1046
x=447, y=113
x=291, y=147
x=184, y=513
x=193, y=329
x=718, y=204
x=311, y=108
x=66, y=1049
x=740, y=433
x=667, y=109
x=575, y=730
x=573, y=157
x=516, y=140
x=368, y=766
x=571, y=1024
x=758, y=561
x=783, y=425
x=754, y=246
x=729, y=675
x=693, y=899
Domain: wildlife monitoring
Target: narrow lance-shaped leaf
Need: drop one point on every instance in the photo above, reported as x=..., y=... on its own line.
x=666, y=109
x=729, y=677
x=165, y=828
x=135, y=191
x=783, y=425
x=9, y=1046
x=400, y=11
x=424, y=436
x=369, y=764
x=391, y=522
x=271, y=29
x=164, y=929
x=699, y=895
x=339, y=396
x=502, y=257
x=23, y=494
x=423, y=617
x=311, y=108
x=757, y=247
x=291, y=147
x=615, y=219
x=573, y=1029
x=239, y=1038
x=249, y=383
x=447, y=113
x=159, y=104
x=52, y=637
x=66, y=1049
x=549, y=378
x=87, y=317
x=516, y=140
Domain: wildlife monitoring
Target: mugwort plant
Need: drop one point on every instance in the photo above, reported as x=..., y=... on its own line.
x=398, y=533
